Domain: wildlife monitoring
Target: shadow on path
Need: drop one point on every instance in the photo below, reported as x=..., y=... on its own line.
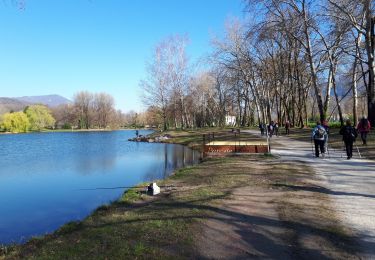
x=322, y=190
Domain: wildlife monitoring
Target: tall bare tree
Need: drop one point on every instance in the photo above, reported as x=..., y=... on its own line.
x=167, y=79
x=103, y=106
x=83, y=101
x=361, y=15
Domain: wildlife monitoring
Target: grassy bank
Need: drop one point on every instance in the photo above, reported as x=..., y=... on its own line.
x=138, y=226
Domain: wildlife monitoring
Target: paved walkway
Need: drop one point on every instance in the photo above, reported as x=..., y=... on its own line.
x=350, y=184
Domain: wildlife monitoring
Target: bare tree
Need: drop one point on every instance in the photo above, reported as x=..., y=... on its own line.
x=361, y=15
x=65, y=115
x=83, y=101
x=204, y=106
x=103, y=106
x=167, y=79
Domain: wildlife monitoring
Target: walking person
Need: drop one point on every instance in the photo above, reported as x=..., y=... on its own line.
x=326, y=127
x=287, y=127
x=319, y=136
x=276, y=127
x=363, y=128
x=270, y=129
x=349, y=134
x=262, y=128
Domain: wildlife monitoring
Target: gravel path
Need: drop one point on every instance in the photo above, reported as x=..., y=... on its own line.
x=349, y=183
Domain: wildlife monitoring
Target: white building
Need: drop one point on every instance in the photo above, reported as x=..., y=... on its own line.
x=230, y=120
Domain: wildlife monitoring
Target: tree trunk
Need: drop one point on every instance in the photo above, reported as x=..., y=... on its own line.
x=328, y=92
x=333, y=78
x=370, y=42
x=354, y=79
x=314, y=78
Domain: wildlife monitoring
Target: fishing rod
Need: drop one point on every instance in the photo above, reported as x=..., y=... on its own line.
x=125, y=187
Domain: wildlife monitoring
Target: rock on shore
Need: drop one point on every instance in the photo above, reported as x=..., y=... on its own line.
x=157, y=139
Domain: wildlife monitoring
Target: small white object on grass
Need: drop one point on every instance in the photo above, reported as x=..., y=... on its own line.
x=153, y=189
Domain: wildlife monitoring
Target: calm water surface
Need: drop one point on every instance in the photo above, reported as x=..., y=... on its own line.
x=45, y=179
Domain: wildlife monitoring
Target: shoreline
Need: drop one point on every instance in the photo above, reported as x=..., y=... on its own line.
x=76, y=131
x=199, y=197
x=127, y=193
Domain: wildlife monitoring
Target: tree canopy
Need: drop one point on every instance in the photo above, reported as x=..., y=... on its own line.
x=15, y=122
x=40, y=117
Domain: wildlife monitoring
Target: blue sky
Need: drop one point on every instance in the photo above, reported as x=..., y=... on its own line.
x=64, y=46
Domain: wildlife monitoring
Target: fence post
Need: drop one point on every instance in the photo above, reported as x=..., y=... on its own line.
x=203, y=146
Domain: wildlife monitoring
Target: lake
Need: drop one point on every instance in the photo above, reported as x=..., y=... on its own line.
x=48, y=179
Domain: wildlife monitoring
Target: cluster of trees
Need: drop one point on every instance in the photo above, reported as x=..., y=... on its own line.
x=174, y=96
x=33, y=118
x=295, y=60
x=89, y=110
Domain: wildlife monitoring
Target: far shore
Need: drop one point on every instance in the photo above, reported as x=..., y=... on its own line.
x=77, y=130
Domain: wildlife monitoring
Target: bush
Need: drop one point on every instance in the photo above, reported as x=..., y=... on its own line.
x=335, y=124
x=67, y=126
x=331, y=124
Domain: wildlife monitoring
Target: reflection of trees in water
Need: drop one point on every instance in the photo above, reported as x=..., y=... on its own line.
x=170, y=158
x=98, y=153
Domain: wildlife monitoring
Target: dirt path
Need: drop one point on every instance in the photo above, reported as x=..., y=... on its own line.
x=349, y=183
x=327, y=213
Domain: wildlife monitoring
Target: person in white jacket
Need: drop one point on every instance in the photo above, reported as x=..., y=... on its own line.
x=319, y=135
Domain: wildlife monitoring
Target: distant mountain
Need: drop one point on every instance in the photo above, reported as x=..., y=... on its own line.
x=11, y=104
x=48, y=100
x=19, y=103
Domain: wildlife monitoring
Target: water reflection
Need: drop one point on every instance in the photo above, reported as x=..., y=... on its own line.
x=42, y=176
x=174, y=157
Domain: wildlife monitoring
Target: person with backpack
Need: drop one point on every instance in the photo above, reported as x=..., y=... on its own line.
x=319, y=135
x=363, y=128
x=349, y=134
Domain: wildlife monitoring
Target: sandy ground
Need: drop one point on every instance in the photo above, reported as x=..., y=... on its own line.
x=299, y=222
x=251, y=230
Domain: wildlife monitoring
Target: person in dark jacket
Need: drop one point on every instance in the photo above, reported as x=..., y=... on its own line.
x=349, y=134
x=287, y=127
x=262, y=128
x=276, y=127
